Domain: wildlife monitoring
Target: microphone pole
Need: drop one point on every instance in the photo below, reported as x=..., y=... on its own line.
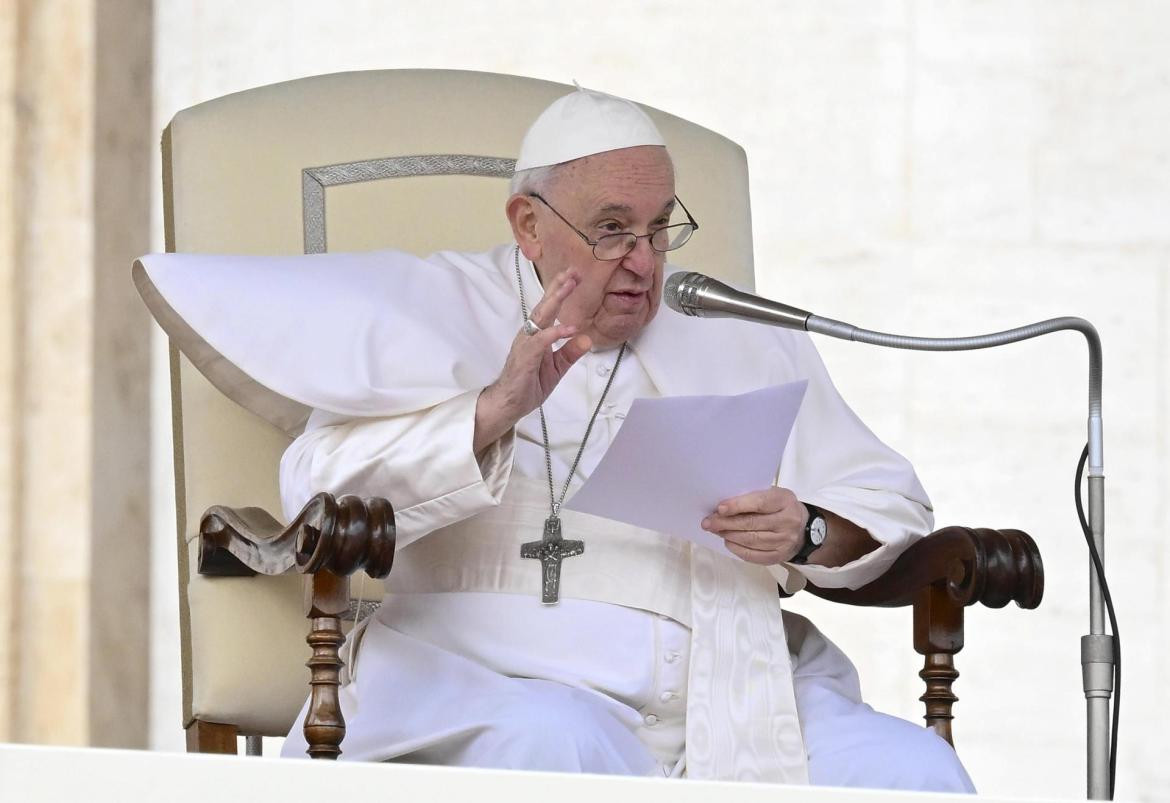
x=699, y=295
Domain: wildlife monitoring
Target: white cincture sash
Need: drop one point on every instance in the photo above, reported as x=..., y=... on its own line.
x=741, y=708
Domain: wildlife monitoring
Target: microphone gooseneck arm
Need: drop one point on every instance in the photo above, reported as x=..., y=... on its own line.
x=699, y=295
x=846, y=331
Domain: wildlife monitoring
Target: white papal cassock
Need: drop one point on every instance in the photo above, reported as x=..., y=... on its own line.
x=661, y=658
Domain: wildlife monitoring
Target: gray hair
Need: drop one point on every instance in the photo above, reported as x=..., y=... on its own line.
x=534, y=179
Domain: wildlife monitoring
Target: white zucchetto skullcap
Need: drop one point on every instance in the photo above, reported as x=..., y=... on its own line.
x=583, y=123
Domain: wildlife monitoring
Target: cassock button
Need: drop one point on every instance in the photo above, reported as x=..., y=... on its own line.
x=670, y=657
x=603, y=370
x=667, y=696
x=651, y=720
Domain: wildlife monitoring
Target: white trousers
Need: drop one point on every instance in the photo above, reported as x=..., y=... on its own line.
x=465, y=680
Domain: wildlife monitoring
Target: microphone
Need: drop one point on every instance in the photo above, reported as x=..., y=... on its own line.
x=698, y=295
x=695, y=294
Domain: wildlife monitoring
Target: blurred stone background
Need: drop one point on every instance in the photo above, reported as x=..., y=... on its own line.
x=930, y=167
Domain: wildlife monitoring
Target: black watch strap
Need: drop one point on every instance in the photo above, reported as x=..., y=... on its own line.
x=809, y=546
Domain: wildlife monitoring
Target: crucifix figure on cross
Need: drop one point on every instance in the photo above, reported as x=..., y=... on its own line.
x=550, y=550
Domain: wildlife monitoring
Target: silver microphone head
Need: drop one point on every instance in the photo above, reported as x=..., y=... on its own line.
x=681, y=290
x=701, y=296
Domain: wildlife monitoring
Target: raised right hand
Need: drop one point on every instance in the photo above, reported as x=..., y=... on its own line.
x=532, y=368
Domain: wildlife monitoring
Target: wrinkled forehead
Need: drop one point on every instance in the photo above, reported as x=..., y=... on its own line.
x=632, y=177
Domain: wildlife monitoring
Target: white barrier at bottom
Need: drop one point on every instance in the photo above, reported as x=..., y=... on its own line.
x=32, y=773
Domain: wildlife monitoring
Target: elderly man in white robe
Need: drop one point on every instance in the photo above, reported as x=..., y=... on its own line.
x=659, y=657
x=473, y=670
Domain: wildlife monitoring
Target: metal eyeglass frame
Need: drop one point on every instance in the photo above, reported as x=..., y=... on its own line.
x=649, y=235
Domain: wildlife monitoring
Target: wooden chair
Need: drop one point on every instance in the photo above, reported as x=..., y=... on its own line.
x=393, y=153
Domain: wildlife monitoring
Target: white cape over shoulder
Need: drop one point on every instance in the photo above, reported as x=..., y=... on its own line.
x=338, y=332
x=345, y=332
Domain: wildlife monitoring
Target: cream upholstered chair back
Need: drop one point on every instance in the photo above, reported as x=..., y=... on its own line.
x=415, y=160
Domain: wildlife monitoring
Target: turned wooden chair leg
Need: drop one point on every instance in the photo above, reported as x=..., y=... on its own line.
x=938, y=635
x=211, y=737
x=326, y=599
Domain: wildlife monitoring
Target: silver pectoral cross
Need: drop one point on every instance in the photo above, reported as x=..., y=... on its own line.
x=550, y=551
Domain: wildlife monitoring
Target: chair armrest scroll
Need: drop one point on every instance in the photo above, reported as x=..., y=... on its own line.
x=339, y=535
x=940, y=575
x=992, y=567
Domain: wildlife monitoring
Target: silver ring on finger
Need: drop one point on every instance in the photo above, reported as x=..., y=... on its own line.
x=530, y=328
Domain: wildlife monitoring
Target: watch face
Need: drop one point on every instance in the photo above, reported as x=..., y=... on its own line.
x=817, y=530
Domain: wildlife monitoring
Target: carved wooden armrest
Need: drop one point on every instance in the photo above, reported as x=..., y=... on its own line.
x=328, y=541
x=336, y=535
x=940, y=575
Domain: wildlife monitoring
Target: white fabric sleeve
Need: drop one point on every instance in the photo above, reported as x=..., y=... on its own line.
x=422, y=462
x=835, y=462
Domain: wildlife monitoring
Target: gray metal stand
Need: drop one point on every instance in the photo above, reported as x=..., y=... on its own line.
x=1097, y=659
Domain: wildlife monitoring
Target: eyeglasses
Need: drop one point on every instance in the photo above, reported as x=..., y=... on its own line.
x=616, y=246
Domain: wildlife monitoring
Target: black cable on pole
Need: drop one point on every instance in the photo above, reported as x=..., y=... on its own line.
x=1099, y=569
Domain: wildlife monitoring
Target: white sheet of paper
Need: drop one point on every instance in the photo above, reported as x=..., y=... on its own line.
x=675, y=458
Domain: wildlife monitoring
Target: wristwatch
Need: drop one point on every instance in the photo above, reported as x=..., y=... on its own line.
x=815, y=532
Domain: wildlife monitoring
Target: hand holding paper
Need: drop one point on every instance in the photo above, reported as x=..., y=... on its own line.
x=675, y=459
